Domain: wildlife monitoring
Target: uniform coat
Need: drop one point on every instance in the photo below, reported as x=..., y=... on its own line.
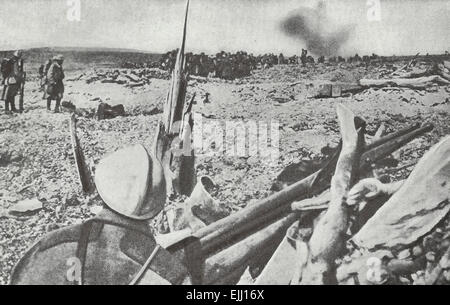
x=55, y=86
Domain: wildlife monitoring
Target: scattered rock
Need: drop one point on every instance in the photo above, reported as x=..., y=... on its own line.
x=199, y=210
x=29, y=205
x=96, y=209
x=106, y=111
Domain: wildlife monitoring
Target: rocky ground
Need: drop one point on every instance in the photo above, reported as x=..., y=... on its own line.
x=36, y=159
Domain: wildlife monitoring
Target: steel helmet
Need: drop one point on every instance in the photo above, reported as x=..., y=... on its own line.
x=17, y=54
x=58, y=57
x=131, y=182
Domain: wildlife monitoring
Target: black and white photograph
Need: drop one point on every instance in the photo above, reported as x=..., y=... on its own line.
x=225, y=142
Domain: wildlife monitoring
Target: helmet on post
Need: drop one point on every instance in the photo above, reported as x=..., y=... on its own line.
x=131, y=182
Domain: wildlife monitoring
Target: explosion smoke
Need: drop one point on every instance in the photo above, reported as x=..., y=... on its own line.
x=313, y=27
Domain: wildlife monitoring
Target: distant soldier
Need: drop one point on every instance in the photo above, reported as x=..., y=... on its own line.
x=55, y=85
x=303, y=57
x=13, y=79
x=281, y=59
x=116, y=247
x=293, y=60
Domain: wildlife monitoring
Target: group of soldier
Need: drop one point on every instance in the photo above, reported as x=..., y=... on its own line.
x=224, y=65
x=230, y=66
x=51, y=75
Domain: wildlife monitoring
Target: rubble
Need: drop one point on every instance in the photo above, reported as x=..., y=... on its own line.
x=412, y=212
x=199, y=210
x=105, y=111
x=129, y=77
x=306, y=126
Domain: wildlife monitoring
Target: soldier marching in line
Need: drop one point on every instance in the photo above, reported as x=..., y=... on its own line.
x=13, y=81
x=43, y=69
x=54, y=89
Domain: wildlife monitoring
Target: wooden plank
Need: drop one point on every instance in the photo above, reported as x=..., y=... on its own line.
x=84, y=174
x=278, y=270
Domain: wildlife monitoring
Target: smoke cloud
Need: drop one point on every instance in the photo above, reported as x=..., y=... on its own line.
x=313, y=27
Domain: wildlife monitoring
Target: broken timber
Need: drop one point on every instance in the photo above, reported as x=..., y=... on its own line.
x=222, y=235
x=172, y=145
x=279, y=268
x=328, y=238
x=412, y=83
x=84, y=173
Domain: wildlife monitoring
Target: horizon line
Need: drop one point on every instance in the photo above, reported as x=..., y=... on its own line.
x=131, y=50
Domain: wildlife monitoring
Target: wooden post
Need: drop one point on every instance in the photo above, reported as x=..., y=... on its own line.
x=172, y=145
x=84, y=173
x=329, y=236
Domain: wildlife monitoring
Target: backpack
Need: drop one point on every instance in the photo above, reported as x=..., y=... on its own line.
x=6, y=67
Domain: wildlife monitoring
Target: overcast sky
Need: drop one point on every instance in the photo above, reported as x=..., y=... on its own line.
x=405, y=27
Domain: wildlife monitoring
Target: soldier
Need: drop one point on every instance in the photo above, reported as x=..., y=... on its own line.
x=116, y=246
x=14, y=77
x=303, y=57
x=55, y=86
x=281, y=59
x=43, y=70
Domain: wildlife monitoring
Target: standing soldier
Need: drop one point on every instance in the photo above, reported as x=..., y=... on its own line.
x=13, y=78
x=43, y=69
x=281, y=59
x=55, y=86
x=303, y=57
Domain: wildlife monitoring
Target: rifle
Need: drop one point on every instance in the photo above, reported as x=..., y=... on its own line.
x=22, y=85
x=21, y=94
x=4, y=64
x=3, y=90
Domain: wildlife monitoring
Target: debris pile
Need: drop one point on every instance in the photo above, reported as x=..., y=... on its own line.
x=131, y=78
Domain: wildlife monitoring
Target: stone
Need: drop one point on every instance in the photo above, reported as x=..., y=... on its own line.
x=405, y=254
x=417, y=251
x=430, y=256
x=28, y=205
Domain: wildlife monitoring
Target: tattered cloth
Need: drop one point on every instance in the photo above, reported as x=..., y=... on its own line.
x=414, y=210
